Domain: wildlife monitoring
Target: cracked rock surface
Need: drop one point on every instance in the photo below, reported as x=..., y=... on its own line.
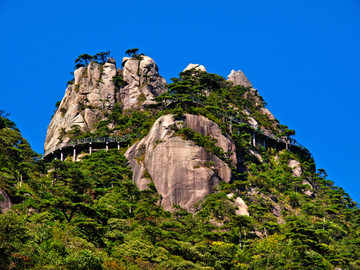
x=143, y=80
x=85, y=103
x=182, y=172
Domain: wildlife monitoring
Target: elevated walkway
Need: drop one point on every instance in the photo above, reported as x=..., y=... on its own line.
x=89, y=144
x=86, y=145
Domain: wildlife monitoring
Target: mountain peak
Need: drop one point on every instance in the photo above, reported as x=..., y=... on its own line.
x=239, y=78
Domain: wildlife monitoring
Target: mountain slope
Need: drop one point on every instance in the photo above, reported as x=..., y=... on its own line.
x=242, y=193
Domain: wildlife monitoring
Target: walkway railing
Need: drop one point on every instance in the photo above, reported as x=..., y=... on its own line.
x=236, y=119
x=233, y=118
x=88, y=140
x=99, y=139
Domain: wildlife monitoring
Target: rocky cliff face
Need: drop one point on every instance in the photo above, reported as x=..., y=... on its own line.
x=92, y=95
x=143, y=82
x=239, y=78
x=182, y=172
x=86, y=101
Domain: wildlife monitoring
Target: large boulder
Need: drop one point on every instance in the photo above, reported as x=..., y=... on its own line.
x=143, y=81
x=182, y=172
x=196, y=67
x=86, y=102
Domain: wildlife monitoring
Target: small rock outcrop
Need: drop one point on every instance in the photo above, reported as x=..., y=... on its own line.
x=239, y=78
x=182, y=172
x=295, y=167
x=242, y=208
x=143, y=81
x=196, y=67
x=5, y=202
x=267, y=113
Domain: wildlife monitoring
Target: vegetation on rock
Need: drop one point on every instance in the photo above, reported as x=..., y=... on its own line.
x=90, y=215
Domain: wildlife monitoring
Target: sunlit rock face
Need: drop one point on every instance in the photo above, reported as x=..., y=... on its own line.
x=93, y=95
x=182, y=172
x=143, y=82
x=85, y=103
x=239, y=78
x=196, y=67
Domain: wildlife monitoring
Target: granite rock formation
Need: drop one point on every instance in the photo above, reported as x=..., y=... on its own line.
x=182, y=172
x=86, y=102
x=196, y=67
x=239, y=78
x=143, y=82
x=92, y=95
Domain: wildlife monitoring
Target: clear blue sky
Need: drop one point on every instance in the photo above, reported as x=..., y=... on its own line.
x=302, y=56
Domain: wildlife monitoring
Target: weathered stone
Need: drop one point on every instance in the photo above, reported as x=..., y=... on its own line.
x=252, y=122
x=309, y=189
x=239, y=78
x=111, y=60
x=85, y=103
x=296, y=167
x=246, y=111
x=267, y=113
x=5, y=202
x=256, y=154
x=276, y=210
x=182, y=172
x=93, y=95
x=196, y=67
x=144, y=83
x=242, y=208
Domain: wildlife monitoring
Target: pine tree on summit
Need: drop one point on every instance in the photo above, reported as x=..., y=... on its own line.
x=132, y=52
x=102, y=57
x=83, y=60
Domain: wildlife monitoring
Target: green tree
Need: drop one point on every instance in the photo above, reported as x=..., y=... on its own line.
x=132, y=52
x=83, y=60
x=102, y=57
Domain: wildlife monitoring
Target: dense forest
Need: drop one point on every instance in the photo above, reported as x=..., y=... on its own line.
x=90, y=215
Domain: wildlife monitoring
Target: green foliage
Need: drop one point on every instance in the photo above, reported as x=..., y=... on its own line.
x=118, y=82
x=133, y=53
x=83, y=60
x=90, y=215
x=72, y=81
x=5, y=122
x=57, y=104
x=207, y=142
x=102, y=57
